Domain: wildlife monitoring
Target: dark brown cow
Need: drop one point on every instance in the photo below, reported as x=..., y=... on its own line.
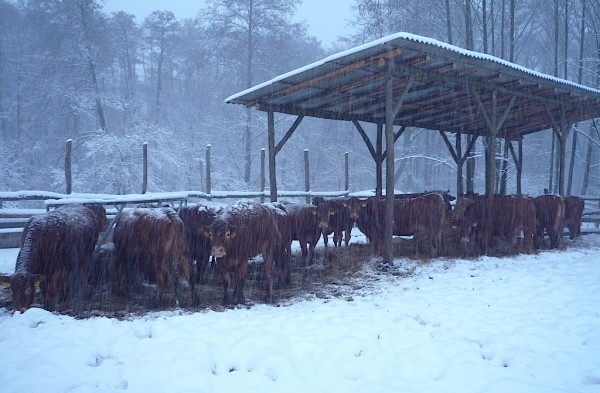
x=550, y=211
x=304, y=228
x=150, y=242
x=195, y=219
x=57, y=255
x=334, y=218
x=243, y=231
x=573, y=212
x=412, y=216
x=504, y=216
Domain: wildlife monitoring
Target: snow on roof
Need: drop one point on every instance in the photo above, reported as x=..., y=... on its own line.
x=414, y=38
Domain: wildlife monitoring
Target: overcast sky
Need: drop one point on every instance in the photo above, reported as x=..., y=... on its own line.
x=326, y=19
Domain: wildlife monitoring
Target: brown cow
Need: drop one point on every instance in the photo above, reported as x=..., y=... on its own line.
x=150, y=242
x=504, y=216
x=334, y=218
x=195, y=219
x=244, y=230
x=57, y=255
x=573, y=212
x=412, y=216
x=304, y=228
x=550, y=211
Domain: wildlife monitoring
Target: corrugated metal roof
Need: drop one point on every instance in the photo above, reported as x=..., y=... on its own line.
x=350, y=85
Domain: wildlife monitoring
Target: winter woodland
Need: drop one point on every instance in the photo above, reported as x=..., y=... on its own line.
x=110, y=82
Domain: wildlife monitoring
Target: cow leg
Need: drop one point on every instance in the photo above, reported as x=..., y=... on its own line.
x=240, y=279
x=225, y=278
x=311, y=252
x=337, y=238
x=51, y=290
x=325, y=238
x=304, y=249
x=268, y=257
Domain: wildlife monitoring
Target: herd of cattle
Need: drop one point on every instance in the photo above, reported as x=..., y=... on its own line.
x=174, y=248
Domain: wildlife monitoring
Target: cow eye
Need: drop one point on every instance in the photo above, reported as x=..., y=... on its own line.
x=227, y=234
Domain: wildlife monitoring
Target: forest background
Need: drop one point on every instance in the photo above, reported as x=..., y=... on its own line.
x=110, y=82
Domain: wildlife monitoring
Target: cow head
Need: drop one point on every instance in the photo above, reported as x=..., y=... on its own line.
x=100, y=214
x=325, y=211
x=353, y=207
x=23, y=287
x=220, y=237
x=466, y=228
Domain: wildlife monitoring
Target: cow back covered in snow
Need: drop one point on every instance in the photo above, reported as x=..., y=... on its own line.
x=195, y=219
x=150, y=243
x=242, y=231
x=57, y=255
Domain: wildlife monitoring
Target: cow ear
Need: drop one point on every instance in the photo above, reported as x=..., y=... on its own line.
x=206, y=232
x=232, y=233
x=5, y=281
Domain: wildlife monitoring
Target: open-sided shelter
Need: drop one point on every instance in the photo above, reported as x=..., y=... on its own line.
x=407, y=80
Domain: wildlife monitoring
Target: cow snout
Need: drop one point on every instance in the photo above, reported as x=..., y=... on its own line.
x=354, y=216
x=323, y=225
x=218, y=251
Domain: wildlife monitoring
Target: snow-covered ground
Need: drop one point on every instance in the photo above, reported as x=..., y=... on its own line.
x=530, y=323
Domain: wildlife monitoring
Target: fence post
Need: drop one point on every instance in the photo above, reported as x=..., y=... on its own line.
x=346, y=172
x=262, y=174
x=145, y=165
x=208, y=181
x=68, y=173
x=306, y=175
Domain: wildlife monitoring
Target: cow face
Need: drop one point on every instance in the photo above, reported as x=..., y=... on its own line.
x=466, y=228
x=325, y=212
x=220, y=238
x=353, y=207
x=23, y=287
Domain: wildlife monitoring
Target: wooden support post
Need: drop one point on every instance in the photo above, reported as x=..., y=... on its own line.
x=504, y=171
x=388, y=250
x=272, y=153
x=459, y=165
x=68, y=170
x=208, y=180
x=379, y=162
x=520, y=168
x=306, y=175
x=262, y=175
x=145, y=167
x=346, y=172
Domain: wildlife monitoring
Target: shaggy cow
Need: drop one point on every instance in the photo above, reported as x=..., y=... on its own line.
x=150, y=242
x=550, y=211
x=573, y=212
x=412, y=216
x=334, y=218
x=195, y=219
x=242, y=231
x=57, y=255
x=304, y=228
x=504, y=216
